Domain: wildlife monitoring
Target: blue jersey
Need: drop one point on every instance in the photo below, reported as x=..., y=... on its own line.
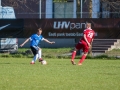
x=35, y=39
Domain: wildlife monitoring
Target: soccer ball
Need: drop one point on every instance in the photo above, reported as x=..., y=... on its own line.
x=43, y=62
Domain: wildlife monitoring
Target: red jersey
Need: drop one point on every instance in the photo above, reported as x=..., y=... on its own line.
x=89, y=35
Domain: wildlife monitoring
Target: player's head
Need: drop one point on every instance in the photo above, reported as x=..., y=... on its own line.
x=88, y=25
x=39, y=31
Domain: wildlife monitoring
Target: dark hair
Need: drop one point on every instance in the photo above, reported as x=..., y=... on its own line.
x=39, y=29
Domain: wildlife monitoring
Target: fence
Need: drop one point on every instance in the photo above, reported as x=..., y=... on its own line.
x=59, y=15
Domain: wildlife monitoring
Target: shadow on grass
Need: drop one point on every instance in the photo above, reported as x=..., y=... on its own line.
x=14, y=63
x=5, y=63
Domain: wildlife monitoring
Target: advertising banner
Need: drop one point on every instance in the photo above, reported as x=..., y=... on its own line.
x=73, y=28
x=59, y=28
x=11, y=28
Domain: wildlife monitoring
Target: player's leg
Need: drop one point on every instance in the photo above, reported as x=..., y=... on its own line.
x=73, y=56
x=85, y=50
x=82, y=58
x=35, y=53
x=40, y=55
x=78, y=46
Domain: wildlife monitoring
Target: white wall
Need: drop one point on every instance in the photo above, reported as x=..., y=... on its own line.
x=49, y=8
x=74, y=9
x=0, y=2
x=95, y=8
x=0, y=12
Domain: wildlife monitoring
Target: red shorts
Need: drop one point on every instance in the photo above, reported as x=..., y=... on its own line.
x=82, y=45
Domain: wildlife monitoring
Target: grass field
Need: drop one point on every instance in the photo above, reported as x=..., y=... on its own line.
x=59, y=74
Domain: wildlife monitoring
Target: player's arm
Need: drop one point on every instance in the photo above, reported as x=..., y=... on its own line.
x=92, y=39
x=25, y=42
x=86, y=40
x=48, y=41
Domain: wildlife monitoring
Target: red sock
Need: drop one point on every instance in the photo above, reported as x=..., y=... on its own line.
x=82, y=58
x=73, y=55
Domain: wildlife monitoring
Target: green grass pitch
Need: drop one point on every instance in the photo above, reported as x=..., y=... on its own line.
x=59, y=74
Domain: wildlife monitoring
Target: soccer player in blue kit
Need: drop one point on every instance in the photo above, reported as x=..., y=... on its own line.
x=34, y=41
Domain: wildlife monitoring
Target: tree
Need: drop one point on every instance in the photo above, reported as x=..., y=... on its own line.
x=78, y=8
x=90, y=8
x=113, y=6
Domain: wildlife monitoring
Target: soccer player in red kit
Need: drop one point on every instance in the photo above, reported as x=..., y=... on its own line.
x=84, y=43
